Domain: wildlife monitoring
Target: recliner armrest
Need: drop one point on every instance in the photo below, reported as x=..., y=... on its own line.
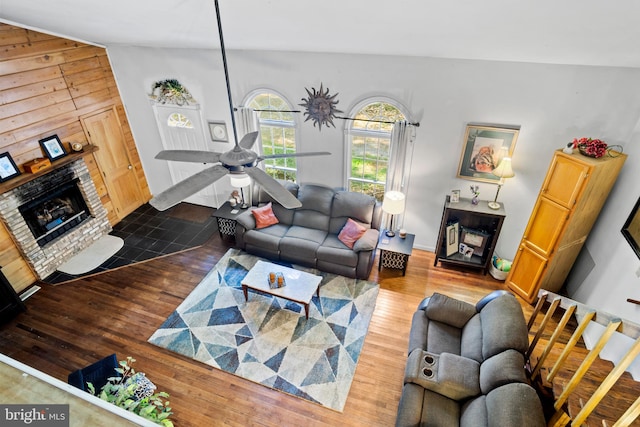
x=368, y=241
x=247, y=220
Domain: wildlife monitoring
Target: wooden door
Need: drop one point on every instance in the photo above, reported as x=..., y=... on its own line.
x=104, y=131
x=526, y=272
x=545, y=226
x=565, y=180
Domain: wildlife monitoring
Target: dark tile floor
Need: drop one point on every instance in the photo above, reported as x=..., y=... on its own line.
x=149, y=233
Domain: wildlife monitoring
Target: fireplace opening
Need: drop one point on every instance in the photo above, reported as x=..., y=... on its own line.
x=55, y=213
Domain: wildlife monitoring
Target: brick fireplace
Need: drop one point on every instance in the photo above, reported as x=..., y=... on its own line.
x=48, y=243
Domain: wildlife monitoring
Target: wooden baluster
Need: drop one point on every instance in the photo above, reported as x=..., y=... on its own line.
x=630, y=415
x=608, y=382
x=541, y=300
x=587, y=362
x=577, y=334
x=543, y=325
x=556, y=334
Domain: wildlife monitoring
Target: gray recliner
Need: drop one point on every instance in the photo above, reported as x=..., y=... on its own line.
x=466, y=365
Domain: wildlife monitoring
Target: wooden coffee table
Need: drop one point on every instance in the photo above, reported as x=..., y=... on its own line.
x=299, y=286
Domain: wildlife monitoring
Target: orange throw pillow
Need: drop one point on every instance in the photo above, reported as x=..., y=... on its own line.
x=264, y=216
x=351, y=232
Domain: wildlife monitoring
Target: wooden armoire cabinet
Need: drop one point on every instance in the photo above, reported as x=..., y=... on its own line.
x=572, y=195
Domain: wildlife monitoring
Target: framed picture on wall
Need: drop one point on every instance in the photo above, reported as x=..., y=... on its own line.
x=8, y=168
x=52, y=147
x=483, y=149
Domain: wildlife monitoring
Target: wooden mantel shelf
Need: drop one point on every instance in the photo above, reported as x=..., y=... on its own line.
x=26, y=177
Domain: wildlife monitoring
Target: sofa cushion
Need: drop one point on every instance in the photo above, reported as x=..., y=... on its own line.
x=473, y=413
x=503, y=327
x=334, y=251
x=351, y=232
x=449, y=310
x=471, y=339
x=316, y=207
x=267, y=238
x=503, y=368
x=357, y=206
x=300, y=244
x=442, y=338
x=264, y=216
x=516, y=405
x=438, y=410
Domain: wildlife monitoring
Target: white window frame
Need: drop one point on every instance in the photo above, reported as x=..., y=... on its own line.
x=350, y=131
x=275, y=123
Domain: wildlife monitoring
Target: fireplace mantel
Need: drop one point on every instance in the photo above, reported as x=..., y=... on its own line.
x=26, y=177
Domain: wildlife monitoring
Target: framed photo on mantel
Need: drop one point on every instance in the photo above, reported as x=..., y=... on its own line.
x=8, y=168
x=52, y=147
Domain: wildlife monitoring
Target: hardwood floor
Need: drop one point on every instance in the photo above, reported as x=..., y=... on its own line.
x=72, y=325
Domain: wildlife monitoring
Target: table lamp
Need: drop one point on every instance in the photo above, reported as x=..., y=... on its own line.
x=393, y=204
x=503, y=171
x=241, y=181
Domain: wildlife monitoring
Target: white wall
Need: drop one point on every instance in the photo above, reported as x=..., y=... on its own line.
x=552, y=104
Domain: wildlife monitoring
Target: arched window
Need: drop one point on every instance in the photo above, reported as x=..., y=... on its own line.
x=278, y=132
x=369, y=137
x=177, y=120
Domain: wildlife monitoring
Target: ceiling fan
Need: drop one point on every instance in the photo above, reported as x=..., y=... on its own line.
x=240, y=159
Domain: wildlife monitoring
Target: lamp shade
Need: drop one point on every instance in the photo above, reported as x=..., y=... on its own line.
x=393, y=202
x=240, y=180
x=504, y=169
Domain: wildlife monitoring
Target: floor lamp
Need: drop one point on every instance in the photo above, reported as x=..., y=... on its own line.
x=393, y=204
x=503, y=171
x=240, y=181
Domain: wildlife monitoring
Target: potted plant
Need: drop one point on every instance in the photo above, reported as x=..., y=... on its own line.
x=134, y=392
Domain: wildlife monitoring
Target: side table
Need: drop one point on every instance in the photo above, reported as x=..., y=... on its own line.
x=226, y=216
x=395, y=251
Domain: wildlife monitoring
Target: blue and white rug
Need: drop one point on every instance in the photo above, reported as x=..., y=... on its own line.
x=268, y=340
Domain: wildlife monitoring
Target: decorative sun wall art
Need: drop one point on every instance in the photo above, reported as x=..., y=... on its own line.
x=321, y=107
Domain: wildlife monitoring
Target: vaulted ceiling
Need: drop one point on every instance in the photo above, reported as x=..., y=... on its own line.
x=589, y=32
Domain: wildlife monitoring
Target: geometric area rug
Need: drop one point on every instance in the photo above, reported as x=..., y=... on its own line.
x=267, y=340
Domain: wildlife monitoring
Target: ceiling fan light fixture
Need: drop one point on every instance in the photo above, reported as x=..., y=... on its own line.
x=240, y=180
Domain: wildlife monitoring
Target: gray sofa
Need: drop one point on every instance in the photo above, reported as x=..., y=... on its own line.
x=308, y=235
x=466, y=365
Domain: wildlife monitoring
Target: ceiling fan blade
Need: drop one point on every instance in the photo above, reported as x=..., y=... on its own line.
x=174, y=195
x=281, y=156
x=248, y=140
x=192, y=156
x=273, y=188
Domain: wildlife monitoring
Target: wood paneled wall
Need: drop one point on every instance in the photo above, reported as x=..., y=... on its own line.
x=46, y=84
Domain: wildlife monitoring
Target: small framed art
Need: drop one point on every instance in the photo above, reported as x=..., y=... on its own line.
x=52, y=147
x=218, y=131
x=455, y=196
x=8, y=168
x=474, y=238
x=452, y=238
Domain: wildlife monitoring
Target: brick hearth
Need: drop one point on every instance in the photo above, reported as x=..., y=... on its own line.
x=44, y=260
